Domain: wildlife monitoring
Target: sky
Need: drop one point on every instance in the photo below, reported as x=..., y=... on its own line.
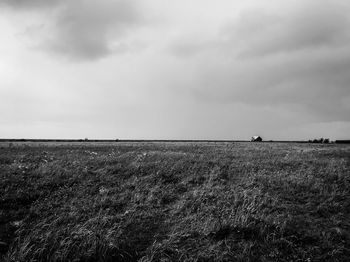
x=161, y=69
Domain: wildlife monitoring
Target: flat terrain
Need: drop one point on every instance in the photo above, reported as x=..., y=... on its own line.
x=174, y=202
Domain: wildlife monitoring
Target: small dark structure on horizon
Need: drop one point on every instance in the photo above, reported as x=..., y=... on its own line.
x=256, y=139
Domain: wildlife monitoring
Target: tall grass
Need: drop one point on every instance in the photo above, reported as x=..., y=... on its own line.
x=175, y=202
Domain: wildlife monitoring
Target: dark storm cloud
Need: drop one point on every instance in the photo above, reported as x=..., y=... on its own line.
x=83, y=29
x=92, y=29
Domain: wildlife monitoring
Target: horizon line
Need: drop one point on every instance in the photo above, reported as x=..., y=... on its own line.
x=151, y=140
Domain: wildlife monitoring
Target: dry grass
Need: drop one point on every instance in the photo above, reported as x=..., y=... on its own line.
x=175, y=202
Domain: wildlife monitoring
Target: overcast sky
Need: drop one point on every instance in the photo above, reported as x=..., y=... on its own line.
x=185, y=69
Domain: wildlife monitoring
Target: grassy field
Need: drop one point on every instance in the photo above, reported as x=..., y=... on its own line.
x=174, y=202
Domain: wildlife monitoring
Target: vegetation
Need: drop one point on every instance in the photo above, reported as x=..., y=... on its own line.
x=175, y=202
x=321, y=140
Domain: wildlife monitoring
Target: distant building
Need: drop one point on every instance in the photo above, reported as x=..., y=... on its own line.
x=256, y=139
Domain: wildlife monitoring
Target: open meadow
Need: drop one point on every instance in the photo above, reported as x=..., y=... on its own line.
x=174, y=201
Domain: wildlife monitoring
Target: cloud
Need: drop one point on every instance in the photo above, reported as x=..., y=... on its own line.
x=32, y=4
x=309, y=25
x=229, y=70
x=91, y=29
x=297, y=57
x=81, y=29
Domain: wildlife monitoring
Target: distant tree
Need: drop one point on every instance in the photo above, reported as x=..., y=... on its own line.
x=320, y=140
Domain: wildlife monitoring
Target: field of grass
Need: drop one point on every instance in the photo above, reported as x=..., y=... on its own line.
x=174, y=202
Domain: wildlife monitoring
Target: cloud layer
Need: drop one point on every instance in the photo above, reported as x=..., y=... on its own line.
x=81, y=29
x=298, y=57
x=175, y=69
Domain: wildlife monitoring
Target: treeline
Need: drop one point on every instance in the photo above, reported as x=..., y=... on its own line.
x=327, y=141
x=320, y=140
